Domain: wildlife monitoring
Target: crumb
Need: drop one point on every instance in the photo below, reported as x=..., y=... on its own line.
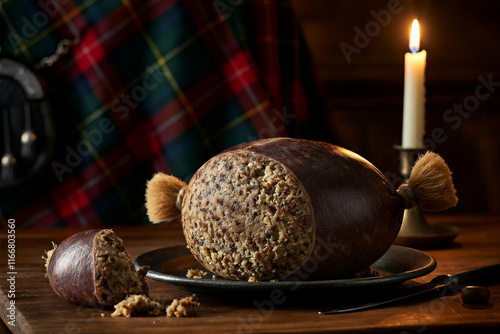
x=252, y=279
x=183, y=308
x=196, y=273
x=135, y=305
x=368, y=272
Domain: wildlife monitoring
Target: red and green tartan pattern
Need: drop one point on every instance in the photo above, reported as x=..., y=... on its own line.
x=158, y=85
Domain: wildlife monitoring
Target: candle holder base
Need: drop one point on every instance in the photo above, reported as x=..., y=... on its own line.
x=415, y=231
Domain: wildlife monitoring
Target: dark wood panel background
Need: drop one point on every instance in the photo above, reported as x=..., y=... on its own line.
x=365, y=94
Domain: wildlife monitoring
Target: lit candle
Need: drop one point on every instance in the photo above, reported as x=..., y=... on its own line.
x=414, y=93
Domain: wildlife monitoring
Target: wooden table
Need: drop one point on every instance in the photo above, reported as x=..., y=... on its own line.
x=39, y=310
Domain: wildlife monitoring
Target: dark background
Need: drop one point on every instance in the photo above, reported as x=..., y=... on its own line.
x=365, y=96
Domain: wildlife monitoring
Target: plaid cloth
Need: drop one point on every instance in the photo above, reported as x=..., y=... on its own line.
x=158, y=85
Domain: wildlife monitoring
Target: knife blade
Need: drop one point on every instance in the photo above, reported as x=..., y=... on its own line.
x=453, y=282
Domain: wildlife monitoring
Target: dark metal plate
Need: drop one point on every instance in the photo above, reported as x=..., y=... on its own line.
x=170, y=265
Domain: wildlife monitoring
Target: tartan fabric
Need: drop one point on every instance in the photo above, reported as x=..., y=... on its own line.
x=153, y=86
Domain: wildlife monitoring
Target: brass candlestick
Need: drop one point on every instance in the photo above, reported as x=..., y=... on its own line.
x=415, y=230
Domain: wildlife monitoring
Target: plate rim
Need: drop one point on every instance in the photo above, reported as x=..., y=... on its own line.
x=223, y=284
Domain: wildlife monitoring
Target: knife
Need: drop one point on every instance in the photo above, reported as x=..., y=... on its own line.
x=452, y=282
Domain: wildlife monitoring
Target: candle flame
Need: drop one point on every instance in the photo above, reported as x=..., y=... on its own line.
x=415, y=37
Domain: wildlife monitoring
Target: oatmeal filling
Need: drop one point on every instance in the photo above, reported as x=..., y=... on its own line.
x=248, y=218
x=115, y=274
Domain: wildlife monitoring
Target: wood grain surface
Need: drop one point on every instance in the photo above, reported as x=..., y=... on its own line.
x=39, y=310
